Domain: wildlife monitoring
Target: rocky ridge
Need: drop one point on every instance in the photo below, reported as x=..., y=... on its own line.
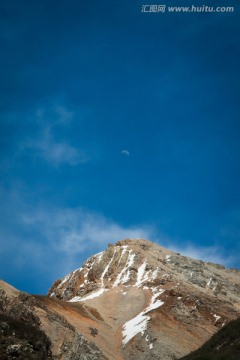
x=135, y=300
x=153, y=294
x=35, y=327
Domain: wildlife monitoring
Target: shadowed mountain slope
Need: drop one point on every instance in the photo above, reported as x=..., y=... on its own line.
x=224, y=345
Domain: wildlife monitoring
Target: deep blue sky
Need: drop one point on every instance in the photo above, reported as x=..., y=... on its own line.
x=83, y=81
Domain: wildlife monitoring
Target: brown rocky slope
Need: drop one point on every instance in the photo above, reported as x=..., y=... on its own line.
x=135, y=300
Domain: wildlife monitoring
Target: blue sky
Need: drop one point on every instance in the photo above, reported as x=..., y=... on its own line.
x=116, y=123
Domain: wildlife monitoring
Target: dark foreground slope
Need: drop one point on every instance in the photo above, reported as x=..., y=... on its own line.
x=38, y=328
x=224, y=345
x=22, y=341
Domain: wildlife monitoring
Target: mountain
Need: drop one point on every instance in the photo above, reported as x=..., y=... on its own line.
x=135, y=300
x=224, y=345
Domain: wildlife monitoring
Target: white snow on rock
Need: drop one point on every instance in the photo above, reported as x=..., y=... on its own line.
x=209, y=282
x=64, y=280
x=130, y=262
x=124, y=275
x=217, y=318
x=99, y=256
x=155, y=304
x=106, y=268
x=155, y=273
x=138, y=324
x=134, y=326
x=89, y=267
x=124, y=247
x=117, y=281
x=89, y=297
x=68, y=277
x=140, y=274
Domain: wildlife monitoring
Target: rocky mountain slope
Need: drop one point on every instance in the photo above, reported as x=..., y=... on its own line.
x=36, y=327
x=135, y=300
x=224, y=345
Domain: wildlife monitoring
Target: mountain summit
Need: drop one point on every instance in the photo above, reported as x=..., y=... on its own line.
x=153, y=302
x=135, y=300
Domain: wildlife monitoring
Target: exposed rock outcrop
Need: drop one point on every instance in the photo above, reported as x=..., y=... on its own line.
x=35, y=327
x=153, y=294
x=136, y=301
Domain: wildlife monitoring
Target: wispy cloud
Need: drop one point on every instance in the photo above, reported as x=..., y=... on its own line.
x=64, y=234
x=73, y=231
x=53, y=240
x=45, y=145
x=52, y=113
x=57, y=153
x=64, y=114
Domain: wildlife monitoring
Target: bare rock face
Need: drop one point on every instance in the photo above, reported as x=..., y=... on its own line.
x=136, y=301
x=35, y=327
x=158, y=303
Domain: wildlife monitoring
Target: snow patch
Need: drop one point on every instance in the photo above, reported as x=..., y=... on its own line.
x=89, y=297
x=99, y=256
x=155, y=304
x=64, y=280
x=129, y=264
x=124, y=247
x=89, y=267
x=121, y=278
x=209, y=282
x=138, y=324
x=155, y=273
x=134, y=326
x=106, y=268
x=140, y=274
x=217, y=318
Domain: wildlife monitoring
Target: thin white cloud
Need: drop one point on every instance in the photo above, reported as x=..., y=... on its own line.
x=74, y=231
x=53, y=241
x=125, y=152
x=64, y=114
x=45, y=146
x=52, y=113
x=58, y=153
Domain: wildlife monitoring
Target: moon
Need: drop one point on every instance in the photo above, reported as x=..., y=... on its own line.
x=125, y=152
